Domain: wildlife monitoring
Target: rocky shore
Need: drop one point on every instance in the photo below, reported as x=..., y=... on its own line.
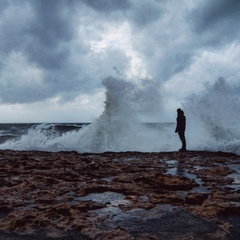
x=119, y=195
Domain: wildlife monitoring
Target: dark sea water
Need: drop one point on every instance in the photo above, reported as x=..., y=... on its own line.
x=99, y=136
x=14, y=131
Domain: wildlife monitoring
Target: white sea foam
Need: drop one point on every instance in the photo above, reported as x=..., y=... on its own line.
x=212, y=123
x=213, y=118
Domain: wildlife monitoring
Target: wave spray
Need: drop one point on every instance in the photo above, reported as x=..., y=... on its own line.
x=212, y=123
x=213, y=118
x=119, y=127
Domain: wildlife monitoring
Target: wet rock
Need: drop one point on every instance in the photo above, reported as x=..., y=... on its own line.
x=178, y=224
x=98, y=195
x=196, y=198
x=174, y=198
x=216, y=171
x=231, y=211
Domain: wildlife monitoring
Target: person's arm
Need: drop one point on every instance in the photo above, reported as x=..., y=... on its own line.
x=176, y=130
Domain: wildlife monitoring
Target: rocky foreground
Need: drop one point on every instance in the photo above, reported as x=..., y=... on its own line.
x=127, y=195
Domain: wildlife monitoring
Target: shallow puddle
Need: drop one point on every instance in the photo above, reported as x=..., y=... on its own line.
x=112, y=198
x=108, y=179
x=116, y=214
x=179, y=172
x=172, y=162
x=236, y=178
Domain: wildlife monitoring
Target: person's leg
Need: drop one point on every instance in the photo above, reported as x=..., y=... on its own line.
x=183, y=139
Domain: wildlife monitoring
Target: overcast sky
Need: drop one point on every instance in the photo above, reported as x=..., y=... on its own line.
x=54, y=54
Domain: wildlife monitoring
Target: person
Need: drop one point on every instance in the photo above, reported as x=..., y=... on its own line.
x=180, y=128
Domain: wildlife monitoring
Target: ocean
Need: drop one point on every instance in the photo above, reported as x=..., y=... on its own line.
x=81, y=137
x=14, y=131
x=212, y=124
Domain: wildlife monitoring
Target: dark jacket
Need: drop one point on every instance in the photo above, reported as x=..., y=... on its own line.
x=181, y=122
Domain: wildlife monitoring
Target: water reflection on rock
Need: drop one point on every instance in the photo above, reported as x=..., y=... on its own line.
x=172, y=195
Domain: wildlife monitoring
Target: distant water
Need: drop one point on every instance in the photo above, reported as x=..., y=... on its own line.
x=81, y=137
x=14, y=131
x=213, y=123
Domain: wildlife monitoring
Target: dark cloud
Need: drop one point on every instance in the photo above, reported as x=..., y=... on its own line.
x=140, y=13
x=216, y=21
x=213, y=13
x=3, y=5
x=145, y=12
x=41, y=34
x=41, y=31
x=47, y=46
x=178, y=62
x=12, y=26
x=108, y=5
x=53, y=20
x=47, y=35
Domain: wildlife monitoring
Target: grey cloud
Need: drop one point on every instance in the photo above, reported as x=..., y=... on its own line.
x=108, y=5
x=164, y=41
x=52, y=27
x=171, y=64
x=54, y=36
x=19, y=96
x=175, y=63
x=145, y=12
x=14, y=20
x=211, y=13
x=4, y=4
x=217, y=21
x=140, y=13
x=44, y=32
x=53, y=20
x=41, y=34
x=173, y=41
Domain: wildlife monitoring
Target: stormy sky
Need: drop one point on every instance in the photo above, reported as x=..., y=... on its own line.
x=54, y=54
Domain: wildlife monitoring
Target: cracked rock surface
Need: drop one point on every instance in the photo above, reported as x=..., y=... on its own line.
x=119, y=195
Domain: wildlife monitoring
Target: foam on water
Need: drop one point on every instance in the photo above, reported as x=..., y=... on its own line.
x=212, y=123
x=117, y=129
x=213, y=118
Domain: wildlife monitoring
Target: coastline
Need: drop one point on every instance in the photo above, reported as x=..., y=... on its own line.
x=119, y=195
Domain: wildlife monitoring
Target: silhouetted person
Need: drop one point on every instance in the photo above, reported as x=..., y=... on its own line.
x=180, y=128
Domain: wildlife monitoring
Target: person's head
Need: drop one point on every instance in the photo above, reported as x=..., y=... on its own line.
x=179, y=110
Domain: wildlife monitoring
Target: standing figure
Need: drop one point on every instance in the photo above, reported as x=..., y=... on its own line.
x=180, y=128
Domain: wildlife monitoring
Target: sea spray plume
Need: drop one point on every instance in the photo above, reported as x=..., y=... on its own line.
x=119, y=128
x=144, y=94
x=213, y=118
x=114, y=129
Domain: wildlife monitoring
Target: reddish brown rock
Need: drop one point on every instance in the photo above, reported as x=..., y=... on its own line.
x=91, y=195
x=196, y=198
